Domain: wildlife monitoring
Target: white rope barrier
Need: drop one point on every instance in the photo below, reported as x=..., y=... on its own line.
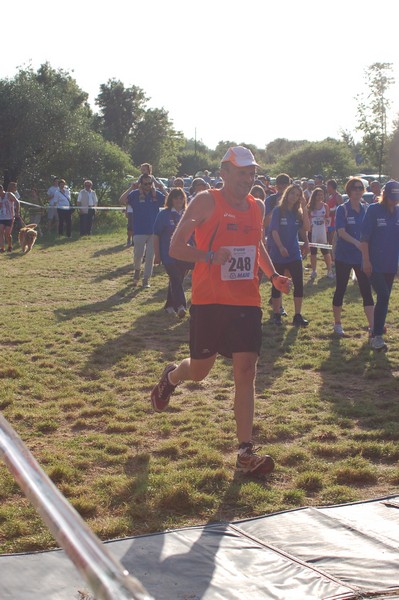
x=72, y=207
x=311, y=244
x=107, y=578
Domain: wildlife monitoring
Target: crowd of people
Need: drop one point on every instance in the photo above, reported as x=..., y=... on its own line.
x=231, y=232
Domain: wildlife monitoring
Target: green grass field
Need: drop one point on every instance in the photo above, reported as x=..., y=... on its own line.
x=81, y=349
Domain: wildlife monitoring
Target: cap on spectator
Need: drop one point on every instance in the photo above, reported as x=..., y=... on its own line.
x=318, y=177
x=240, y=157
x=198, y=181
x=311, y=181
x=391, y=190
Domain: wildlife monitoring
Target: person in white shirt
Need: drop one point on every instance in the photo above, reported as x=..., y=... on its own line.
x=62, y=200
x=52, y=215
x=87, y=201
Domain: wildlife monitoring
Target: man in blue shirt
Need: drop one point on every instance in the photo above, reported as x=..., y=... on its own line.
x=145, y=203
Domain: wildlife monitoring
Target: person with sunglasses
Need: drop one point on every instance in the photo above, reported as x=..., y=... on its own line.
x=145, y=202
x=380, y=253
x=348, y=255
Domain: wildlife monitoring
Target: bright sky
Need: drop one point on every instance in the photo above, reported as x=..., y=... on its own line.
x=241, y=71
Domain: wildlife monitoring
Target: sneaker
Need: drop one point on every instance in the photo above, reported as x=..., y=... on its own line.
x=338, y=329
x=128, y=243
x=162, y=392
x=299, y=321
x=283, y=312
x=248, y=462
x=276, y=319
x=330, y=275
x=170, y=310
x=146, y=284
x=2, y=250
x=313, y=275
x=9, y=249
x=181, y=312
x=377, y=343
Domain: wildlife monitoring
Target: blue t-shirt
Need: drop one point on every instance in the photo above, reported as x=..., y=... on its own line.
x=380, y=228
x=145, y=210
x=350, y=220
x=164, y=227
x=287, y=225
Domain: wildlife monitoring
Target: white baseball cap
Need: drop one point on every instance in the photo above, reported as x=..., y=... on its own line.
x=240, y=157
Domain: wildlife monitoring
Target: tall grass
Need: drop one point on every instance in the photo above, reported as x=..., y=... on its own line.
x=81, y=349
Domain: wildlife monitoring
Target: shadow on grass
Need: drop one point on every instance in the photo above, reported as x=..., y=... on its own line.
x=362, y=389
x=177, y=553
x=111, y=250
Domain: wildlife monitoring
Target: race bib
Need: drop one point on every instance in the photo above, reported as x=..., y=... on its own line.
x=241, y=264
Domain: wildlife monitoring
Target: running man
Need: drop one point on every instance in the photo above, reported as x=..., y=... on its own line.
x=226, y=311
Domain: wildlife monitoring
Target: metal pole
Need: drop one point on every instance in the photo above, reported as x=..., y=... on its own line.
x=104, y=574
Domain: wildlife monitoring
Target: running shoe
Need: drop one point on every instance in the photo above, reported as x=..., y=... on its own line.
x=162, y=392
x=330, y=275
x=299, y=321
x=9, y=249
x=2, y=250
x=146, y=284
x=181, y=312
x=170, y=310
x=313, y=275
x=283, y=312
x=250, y=463
x=276, y=319
x=338, y=329
x=377, y=343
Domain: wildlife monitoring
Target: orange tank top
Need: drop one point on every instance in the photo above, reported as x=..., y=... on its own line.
x=236, y=282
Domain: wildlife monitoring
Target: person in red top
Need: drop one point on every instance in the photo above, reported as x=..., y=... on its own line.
x=226, y=311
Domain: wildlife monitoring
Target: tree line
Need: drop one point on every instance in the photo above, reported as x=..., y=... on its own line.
x=47, y=127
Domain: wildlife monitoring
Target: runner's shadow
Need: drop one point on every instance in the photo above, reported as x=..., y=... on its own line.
x=188, y=562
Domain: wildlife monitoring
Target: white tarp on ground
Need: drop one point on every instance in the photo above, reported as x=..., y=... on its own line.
x=347, y=551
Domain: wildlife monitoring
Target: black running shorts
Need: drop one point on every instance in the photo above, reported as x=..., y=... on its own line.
x=221, y=329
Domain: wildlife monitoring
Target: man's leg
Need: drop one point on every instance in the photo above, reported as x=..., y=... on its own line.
x=149, y=259
x=188, y=370
x=90, y=219
x=244, y=370
x=82, y=224
x=138, y=253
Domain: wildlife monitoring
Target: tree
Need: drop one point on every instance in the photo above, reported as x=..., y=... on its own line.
x=373, y=110
x=121, y=109
x=281, y=147
x=330, y=157
x=157, y=142
x=40, y=113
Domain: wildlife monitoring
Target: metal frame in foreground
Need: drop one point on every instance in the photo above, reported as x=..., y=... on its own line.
x=106, y=577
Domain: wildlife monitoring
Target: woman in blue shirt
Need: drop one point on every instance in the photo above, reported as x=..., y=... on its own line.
x=164, y=227
x=380, y=251
x=348, y=255
x=289, y=217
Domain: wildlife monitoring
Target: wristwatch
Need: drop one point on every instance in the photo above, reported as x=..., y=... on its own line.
x=275, y=274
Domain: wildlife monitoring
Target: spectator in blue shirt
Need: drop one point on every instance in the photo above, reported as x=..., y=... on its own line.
x=380, y=251
x=348, y=221
x=145, y=202
x=164, y=227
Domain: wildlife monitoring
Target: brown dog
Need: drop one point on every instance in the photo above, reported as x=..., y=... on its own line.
x=27, y=237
